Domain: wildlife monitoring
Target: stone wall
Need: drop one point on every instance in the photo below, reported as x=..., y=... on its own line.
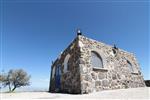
x=82, y=77
x=115, y=73
x=70, y=80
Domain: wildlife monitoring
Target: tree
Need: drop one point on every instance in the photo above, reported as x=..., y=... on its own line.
x=15, y=79
x=2, y=77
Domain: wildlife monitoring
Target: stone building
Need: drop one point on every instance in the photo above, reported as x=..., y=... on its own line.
x=87, y=65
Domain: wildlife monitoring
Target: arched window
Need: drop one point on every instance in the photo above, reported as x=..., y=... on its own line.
x=53, y=72
x=66, y=63
x=96, y=60
x=130, y=66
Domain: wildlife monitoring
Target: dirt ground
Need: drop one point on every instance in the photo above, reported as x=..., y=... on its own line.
x=134, y=93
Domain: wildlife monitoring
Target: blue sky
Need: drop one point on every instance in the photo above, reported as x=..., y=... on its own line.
x=34, y=32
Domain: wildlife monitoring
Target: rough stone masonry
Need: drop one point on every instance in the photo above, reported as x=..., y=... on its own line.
x=87, y=65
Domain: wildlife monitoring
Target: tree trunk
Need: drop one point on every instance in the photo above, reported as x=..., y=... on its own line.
x=9, y=88
x=13, y=89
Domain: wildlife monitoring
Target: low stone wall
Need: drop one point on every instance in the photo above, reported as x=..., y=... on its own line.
x=147, y=82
